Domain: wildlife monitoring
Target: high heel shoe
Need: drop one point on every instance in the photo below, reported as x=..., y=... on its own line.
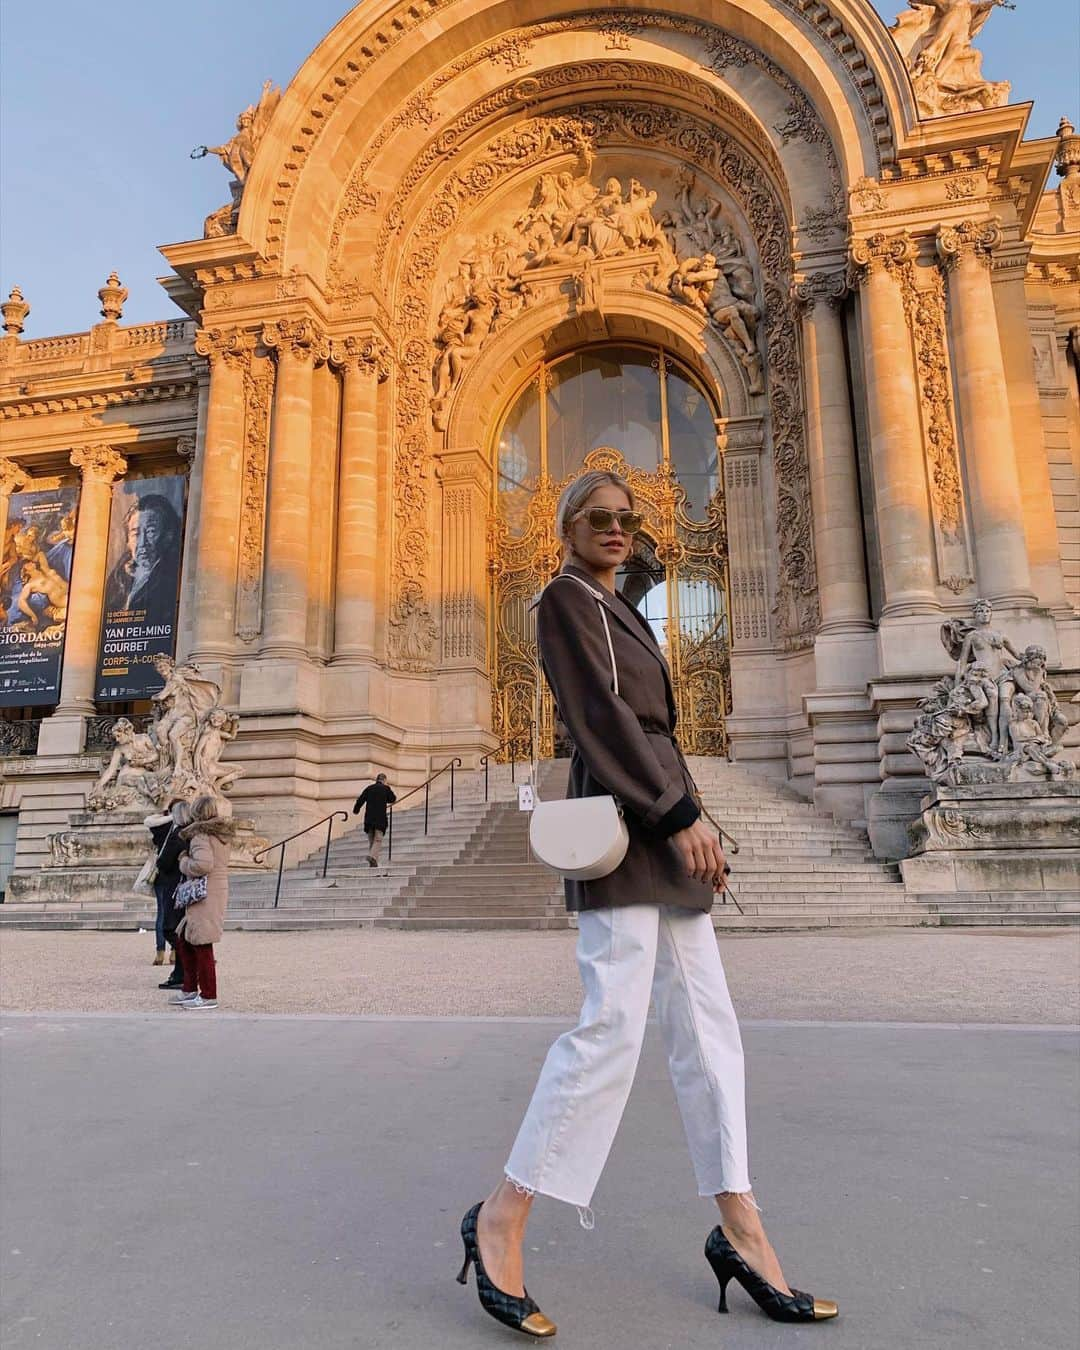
x=520, y=1313
x=727, y=1265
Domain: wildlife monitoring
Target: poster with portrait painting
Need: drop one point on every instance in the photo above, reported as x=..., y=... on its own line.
x=35, y=572
x=142, y=584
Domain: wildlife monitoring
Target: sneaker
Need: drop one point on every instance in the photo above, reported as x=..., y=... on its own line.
x=170, y=983
x=182, y=997
x=199, y=1002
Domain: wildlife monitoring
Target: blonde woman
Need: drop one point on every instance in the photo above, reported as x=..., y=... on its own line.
x=643, y=931
x=208, y=837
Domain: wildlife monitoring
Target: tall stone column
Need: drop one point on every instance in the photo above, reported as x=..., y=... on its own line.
x=100, y=466
x=212, y=621
x=364, y=363
x=834, y=487
x=902, y=503
x=1004, y=574
x=298, y=344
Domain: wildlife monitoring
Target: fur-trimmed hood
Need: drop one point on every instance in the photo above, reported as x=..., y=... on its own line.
x=220, y=827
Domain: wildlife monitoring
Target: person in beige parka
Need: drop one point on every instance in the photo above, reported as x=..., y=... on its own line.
x=208, y=837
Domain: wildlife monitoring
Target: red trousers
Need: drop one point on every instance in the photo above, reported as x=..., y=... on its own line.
x=197, y=961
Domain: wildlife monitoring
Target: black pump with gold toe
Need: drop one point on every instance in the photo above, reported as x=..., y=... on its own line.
x=728, y=1265
x=520, y=1313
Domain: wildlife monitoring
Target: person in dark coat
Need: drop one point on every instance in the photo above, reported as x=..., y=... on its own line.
x=645, y=934
x=165, y=832
x=374, y=800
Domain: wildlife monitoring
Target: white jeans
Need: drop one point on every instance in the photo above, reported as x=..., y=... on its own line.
x=625, y=955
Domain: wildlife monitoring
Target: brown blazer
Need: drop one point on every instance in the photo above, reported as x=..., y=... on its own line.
x=623, y=744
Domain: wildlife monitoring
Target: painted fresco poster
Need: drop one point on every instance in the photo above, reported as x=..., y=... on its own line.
x=142, y=583
x=35, y=571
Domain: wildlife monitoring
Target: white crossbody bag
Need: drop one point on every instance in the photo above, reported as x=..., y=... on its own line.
x=582, y=838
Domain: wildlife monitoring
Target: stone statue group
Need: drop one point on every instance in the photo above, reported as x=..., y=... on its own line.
x=180, y=755
x=996, y=719
x=572, y=223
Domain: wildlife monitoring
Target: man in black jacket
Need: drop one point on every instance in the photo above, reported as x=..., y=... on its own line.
x=374, y=799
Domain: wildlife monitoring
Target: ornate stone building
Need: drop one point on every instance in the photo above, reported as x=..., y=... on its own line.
x=800, y=276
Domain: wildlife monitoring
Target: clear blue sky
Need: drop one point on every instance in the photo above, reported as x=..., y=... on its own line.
x=101, y=103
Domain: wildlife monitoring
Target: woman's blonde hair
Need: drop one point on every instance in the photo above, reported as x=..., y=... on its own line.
x=180, y=811
x=203, y=808
x=578, y=491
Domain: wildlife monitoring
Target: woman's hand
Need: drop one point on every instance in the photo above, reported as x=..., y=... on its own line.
x=702, y=853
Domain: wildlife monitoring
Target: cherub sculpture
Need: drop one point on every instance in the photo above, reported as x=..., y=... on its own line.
x=131, y=777
x=1031, y=749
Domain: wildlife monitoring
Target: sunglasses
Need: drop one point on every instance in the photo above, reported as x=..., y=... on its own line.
x=601, y=519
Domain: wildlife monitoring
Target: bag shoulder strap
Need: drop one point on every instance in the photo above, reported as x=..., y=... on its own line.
x=597, y=595
x=161, y=850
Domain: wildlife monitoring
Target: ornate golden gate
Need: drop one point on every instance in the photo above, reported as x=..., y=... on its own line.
x=677, y=577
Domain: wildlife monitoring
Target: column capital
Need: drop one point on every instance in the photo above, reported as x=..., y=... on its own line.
x=832, y=287
x=12, y=477
x=98, y=463
x=974, y=239
x=878, y=253
x=233, y=346
x=301, y=338
x=368, y=355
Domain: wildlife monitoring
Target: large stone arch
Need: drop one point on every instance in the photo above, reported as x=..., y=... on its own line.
x=834, y=63
x=525, y=147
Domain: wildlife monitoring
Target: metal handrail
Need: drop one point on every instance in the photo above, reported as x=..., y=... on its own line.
x=426, y=785
x=328, y=821
x=513, y=742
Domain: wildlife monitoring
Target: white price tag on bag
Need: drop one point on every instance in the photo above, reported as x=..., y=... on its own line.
x=526, y=801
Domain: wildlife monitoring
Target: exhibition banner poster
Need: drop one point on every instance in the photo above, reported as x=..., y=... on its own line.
x=142, y=583
x=35, y=570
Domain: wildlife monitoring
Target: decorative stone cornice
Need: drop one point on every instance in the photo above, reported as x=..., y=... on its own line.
x=971, y=239
x=301, y=338
x=98, y=463
x=879, y=253
x=368, y=355
x=832, y=287
x=91, y=404
x=234, y=346
x=12, y=477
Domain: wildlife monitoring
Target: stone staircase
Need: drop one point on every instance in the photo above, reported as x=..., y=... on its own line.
x=795, y=869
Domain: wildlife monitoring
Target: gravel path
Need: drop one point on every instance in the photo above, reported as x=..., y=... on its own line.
x=1014, y=975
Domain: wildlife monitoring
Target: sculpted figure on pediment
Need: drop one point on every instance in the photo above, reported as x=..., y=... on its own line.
x=238, y=155
x=935, y=38
x=569, y=221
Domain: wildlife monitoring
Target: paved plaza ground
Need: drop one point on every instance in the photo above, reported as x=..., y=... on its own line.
x=295, y=1182
x=920, y=975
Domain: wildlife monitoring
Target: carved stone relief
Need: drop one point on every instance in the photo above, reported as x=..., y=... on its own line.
x=926, y=315
x=258, y=399
x=692, y=253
